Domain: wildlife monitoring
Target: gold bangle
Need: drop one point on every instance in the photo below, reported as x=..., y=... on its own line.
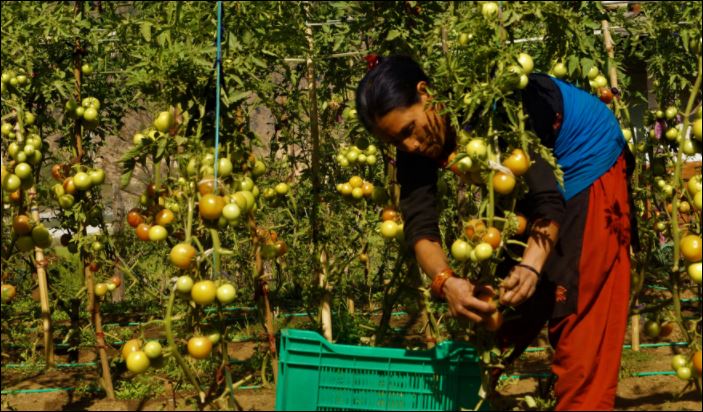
x=438, y=282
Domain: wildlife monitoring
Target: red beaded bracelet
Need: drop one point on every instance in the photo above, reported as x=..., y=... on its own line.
x=438, y=282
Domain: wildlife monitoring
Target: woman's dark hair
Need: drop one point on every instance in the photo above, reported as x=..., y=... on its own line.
x=391, y=84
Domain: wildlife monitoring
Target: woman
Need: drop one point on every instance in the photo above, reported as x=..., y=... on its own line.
x=574, y=272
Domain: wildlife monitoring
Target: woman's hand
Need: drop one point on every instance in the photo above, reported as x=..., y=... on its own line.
x=461, y=299
x=518, y=287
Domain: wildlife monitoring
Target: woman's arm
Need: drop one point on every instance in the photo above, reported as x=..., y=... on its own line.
x=458, y=292
x=522, y=282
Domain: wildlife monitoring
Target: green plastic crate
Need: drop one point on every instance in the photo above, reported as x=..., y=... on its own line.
x=317, y=375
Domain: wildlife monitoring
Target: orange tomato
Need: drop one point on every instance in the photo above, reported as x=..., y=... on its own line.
x=474, y=227
x=697, y=362
x=521, y=224
x=389, y=214
x=142, y=231
x=492, y=237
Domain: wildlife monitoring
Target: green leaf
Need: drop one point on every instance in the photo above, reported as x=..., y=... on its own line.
x=239, y=96
x=392, y=34
x=161, y=148
x=145, y=29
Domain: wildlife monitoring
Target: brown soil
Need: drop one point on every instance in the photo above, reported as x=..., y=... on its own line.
x=634, y=393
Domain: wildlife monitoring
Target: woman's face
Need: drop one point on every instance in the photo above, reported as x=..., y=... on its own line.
x=416, y=129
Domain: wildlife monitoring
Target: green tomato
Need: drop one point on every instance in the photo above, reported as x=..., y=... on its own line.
x=476, y=148
x=683, y=373
x=137, y=362
x=282, y=188
x=559, y=70
x=526, y=62
x=461, y=250
x=164, y=121
x=184, y=284
x=23, y=171
x=90, y=114
x=226, y=294
x=483, y=251
x=87, y=69
x=153, y=349
x=224, y=167
x=231, y=212
x=97, y=177
x=389, y=229
x=489, y=10
x=82, y=181
x=678, y=361
x=258, y=169
x=671, y=112
x=66, y=201
x=593, y=73
x=246, y=184
x=91, y=102
x=12, y=183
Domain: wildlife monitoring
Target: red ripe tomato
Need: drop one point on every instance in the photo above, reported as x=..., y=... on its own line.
x=199, y=347
x=142, y=231
x=211, y=206
x=116, y=280
x=605, y=95
x=134, y=218
x=666, y=329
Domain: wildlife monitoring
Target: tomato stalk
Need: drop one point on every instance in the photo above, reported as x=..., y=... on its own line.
x=40, y=262
x=676, y=272
x=174, y=349
x=491, y=157
x=189, y=218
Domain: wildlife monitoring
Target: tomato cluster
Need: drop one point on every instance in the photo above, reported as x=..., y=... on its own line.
x=87, y=112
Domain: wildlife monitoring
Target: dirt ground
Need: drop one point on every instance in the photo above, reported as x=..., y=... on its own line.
x=634, y=393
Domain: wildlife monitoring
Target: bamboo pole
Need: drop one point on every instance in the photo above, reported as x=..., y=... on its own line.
x=84, y=267
x=325, y=302
x=40, y=263
x=102, y=350
x=613, y=74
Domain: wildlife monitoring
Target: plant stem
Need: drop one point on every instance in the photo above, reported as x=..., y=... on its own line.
x=174, y=349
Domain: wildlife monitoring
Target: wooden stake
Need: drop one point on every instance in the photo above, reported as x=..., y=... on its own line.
x=100, y=339
x=43, y=288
